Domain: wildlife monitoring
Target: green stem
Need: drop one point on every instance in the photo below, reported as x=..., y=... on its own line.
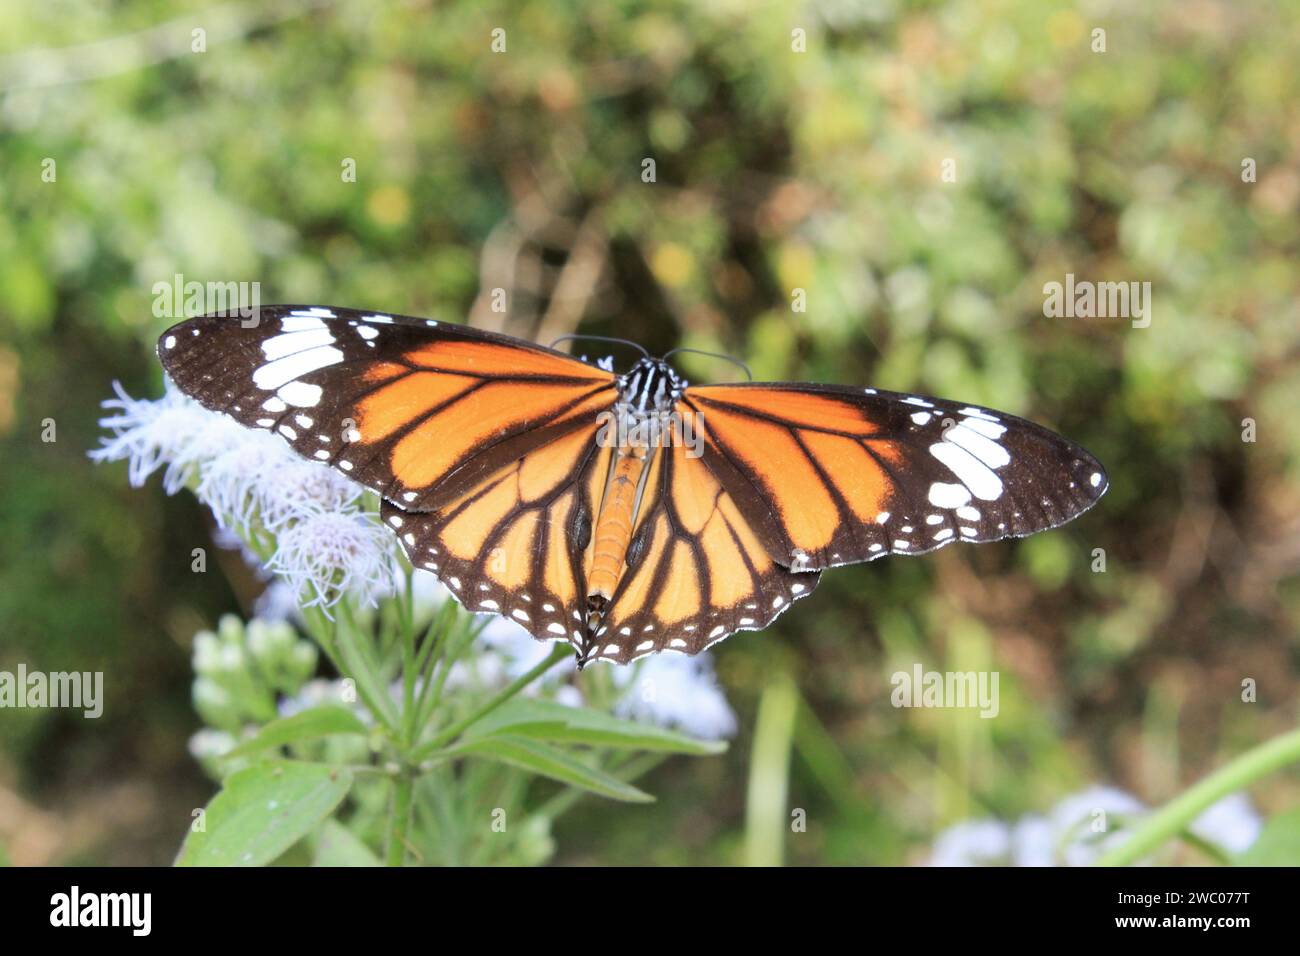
x=1175, y=816
x=335, y=642
x=408, y=662
x=766, y=813
x=399, y=819
x=449, y=656
x=450, y=733
x=351, y=647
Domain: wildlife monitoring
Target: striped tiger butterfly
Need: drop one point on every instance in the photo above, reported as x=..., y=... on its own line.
x=625, y=514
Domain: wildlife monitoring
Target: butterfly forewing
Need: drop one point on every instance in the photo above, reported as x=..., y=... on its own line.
x=418, y=410
x=829, y=475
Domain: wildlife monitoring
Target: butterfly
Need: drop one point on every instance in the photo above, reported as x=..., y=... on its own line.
x=624, y=513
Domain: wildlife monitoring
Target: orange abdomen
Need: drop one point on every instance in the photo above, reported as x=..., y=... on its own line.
x=614, y=525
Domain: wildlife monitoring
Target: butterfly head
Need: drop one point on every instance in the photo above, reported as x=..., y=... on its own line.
x=651, y=386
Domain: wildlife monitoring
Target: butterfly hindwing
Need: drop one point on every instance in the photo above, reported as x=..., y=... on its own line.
x=696, y=571
x=415, y=409
x=830, y=475
x=516, y=544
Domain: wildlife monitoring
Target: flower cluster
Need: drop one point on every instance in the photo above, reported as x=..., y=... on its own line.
x=1080, y=829
x=307, y=518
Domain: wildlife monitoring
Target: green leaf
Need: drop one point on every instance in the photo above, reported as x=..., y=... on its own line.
x=543, y=759
x=1278, y=843
x=263, y=810
x=305, y=725
x=547, y=720
x=336, y=845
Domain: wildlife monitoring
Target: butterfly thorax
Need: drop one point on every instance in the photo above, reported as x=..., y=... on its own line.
x=650, y=386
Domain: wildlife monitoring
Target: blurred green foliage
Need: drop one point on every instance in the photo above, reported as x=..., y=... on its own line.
x=775, y=170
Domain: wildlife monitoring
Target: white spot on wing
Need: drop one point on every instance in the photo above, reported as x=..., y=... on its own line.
x=985, y=427
x=301, y=394
x=300, y=322
x=278, y=346
x=972, y=472
x=944, y=495
x=989, y=452
x=274, y=374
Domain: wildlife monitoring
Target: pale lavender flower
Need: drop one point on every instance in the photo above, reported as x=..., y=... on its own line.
x=278, y=602
x=233, y=478
x=1073, y=833
x=153, y=434
x=973, y=843
x=1034, y=842
x=674, y=690
x=1080, y=828
x=668, y=690
x=428, y=591
x=326, y=554
x=1231, y=824
x=520, y=651
x=1087, y=824
x=299, y=485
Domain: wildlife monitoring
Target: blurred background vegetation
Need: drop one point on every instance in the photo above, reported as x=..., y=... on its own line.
x=776, y=170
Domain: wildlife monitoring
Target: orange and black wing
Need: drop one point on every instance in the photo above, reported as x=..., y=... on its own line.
x=418, y=410
x=516, y=543
x=696, y=569
x=829, y=475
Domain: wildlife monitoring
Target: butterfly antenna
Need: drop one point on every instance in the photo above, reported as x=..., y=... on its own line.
x=601, y=338
x=717, y=355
